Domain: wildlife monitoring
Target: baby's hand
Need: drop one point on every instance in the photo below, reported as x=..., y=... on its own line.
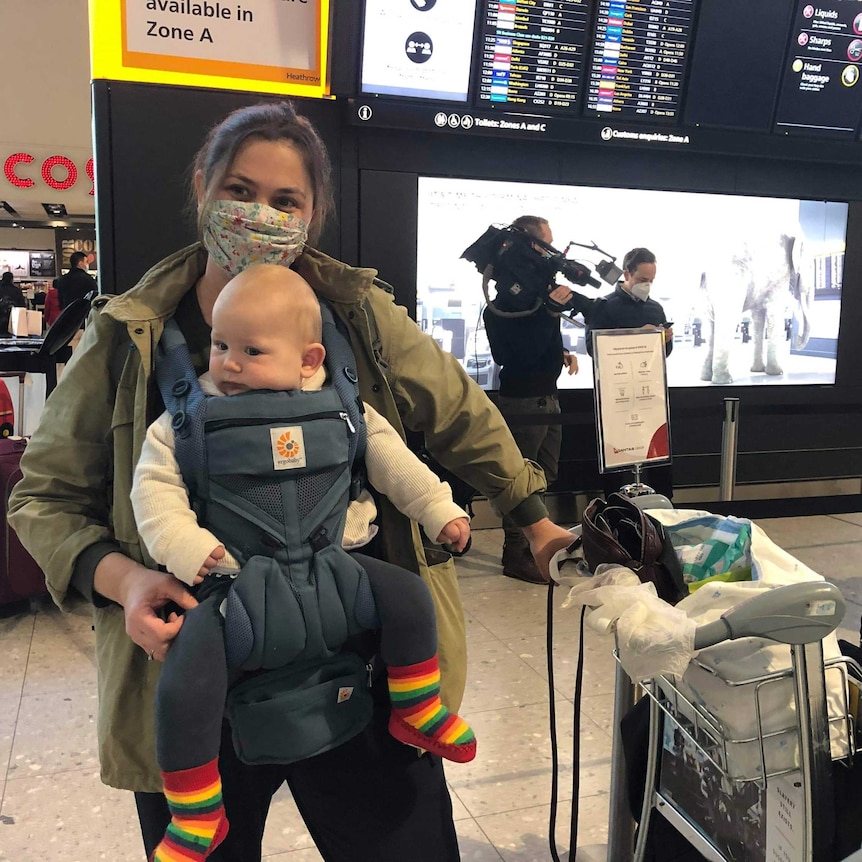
x=455, y=533
x=210, y=563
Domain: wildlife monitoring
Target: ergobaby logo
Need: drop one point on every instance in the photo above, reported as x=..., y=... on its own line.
x=344, y=693
x=288, y=448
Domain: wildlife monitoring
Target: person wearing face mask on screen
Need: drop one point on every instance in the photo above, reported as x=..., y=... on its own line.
x=630, y=307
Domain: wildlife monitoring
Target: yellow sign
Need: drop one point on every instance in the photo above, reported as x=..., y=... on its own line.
x=265, y=46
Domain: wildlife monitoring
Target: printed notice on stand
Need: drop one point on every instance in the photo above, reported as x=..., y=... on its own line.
x=631, y=397
x=785, y=817
x=265, y=45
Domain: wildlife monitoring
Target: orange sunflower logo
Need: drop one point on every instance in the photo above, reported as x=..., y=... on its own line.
x=287, y=447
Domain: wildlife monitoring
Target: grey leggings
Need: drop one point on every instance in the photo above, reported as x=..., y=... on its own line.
x=190, y=697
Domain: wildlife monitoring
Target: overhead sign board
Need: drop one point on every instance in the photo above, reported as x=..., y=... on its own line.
x=268, y=46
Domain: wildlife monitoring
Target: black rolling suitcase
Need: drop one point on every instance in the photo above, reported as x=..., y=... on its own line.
x=20, y=577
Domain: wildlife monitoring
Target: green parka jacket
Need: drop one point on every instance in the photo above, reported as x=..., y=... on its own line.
x=78, y=469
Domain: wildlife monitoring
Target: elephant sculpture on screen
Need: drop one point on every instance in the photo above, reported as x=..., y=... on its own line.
x=760, y=278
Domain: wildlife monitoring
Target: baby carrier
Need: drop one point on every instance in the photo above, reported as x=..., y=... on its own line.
x=271, y=475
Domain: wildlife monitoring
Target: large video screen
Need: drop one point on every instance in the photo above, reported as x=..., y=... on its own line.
x=722, y=262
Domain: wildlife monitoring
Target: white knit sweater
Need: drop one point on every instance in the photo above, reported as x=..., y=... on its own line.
x=173, y=537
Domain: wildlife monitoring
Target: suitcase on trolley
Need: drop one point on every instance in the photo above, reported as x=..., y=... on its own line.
x=20, y=576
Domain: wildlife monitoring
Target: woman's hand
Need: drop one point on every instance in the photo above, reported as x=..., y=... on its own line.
x=546, y=538
x=142, y=592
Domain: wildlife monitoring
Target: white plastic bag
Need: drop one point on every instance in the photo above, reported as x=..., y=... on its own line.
x=654, y=638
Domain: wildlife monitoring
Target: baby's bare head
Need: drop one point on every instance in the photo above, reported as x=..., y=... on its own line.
x=272, y=298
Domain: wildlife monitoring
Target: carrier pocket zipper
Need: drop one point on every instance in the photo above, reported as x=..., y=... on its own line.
x=221, y=424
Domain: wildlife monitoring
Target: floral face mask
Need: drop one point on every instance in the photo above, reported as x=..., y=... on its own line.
x=238, y=234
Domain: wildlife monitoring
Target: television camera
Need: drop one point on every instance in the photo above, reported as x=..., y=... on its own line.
x=524, y=267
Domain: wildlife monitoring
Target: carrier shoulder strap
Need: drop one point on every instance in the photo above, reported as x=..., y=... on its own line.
x=341, y=364
x=185, y=400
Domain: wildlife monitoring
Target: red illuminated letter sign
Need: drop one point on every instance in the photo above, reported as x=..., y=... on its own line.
x=9, y=170
x=71, y=173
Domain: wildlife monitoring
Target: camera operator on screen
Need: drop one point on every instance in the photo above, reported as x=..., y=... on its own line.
x=528, y=347
x=629, y=307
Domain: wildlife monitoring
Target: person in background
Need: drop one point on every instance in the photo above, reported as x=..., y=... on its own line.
x=262, y=191
x=77, y=282
x=52, y=306
x=530, y=353
x=630, y=307
x=10, y=297
x=9, y=290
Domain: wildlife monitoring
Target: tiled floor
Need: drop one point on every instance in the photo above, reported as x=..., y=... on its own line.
x=53, y=807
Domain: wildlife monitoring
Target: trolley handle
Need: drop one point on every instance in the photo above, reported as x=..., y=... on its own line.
x=791, y=614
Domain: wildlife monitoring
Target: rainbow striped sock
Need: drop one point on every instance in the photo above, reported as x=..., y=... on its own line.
x=198, y=823
x=419, y=717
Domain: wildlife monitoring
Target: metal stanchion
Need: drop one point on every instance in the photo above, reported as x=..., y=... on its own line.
x=729, y=433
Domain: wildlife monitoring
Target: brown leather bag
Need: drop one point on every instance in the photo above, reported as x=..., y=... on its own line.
x=617, y=531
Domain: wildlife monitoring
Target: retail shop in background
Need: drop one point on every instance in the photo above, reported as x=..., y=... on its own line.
x=35, y=265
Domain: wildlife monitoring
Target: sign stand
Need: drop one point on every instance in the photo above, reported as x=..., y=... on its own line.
x=632, y=410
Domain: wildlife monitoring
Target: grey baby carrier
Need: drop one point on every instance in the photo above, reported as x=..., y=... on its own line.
x=271, y=475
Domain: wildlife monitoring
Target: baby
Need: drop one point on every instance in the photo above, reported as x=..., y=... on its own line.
x=266, y=335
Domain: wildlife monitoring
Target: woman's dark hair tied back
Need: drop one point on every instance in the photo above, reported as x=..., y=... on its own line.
x=268, y=121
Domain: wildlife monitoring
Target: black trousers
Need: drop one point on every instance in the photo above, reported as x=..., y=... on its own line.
x=540, y=443
x=371, y=798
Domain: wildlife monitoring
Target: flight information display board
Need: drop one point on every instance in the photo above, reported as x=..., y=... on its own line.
x=639, y=57
x=820, y=91
x=532, y=52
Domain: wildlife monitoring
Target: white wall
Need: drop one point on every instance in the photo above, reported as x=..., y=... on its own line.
x=34, y=239
x=45, y=97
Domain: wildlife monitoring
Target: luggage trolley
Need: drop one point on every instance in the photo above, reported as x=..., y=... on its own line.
x=789, y=767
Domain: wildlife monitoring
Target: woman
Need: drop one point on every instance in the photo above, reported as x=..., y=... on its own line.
x=271, y=164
